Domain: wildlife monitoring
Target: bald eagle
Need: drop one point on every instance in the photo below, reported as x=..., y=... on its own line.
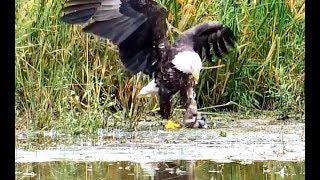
x=137, y=28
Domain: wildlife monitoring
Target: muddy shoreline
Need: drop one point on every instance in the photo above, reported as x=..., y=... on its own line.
x=241, y=140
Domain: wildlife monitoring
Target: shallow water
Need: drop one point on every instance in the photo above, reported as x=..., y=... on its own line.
x=188, y=170
x=245, y=150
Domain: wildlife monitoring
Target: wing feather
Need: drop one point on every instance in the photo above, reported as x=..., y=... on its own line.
x=208, y=38
x=126, y=23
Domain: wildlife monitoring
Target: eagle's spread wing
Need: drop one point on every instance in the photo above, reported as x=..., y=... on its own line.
x=207, y=38
x=129, y=24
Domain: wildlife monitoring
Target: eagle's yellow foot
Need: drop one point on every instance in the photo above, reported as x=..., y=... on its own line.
x=172, y=125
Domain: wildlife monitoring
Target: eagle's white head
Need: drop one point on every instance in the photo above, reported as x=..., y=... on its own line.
x=188, y=62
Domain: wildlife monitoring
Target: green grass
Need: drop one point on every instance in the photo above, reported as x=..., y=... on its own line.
x=69, y=80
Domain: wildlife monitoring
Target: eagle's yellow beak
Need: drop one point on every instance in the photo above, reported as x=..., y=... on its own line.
x=195, y=76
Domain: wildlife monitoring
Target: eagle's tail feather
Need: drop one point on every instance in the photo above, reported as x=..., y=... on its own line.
x=148, y=90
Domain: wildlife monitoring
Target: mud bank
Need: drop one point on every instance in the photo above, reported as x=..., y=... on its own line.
x=241, y=140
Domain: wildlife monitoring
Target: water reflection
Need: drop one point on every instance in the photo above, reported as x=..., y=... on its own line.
x=173, y=170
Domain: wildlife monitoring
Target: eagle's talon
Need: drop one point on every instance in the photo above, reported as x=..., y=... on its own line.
x=171, y=125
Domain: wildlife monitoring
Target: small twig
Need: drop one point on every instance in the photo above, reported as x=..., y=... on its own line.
x=201, y=112
x=221, y=105
x=213, y=67
x=205, y=108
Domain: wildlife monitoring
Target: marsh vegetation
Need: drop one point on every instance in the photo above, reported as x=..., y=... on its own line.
x=69, y=80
